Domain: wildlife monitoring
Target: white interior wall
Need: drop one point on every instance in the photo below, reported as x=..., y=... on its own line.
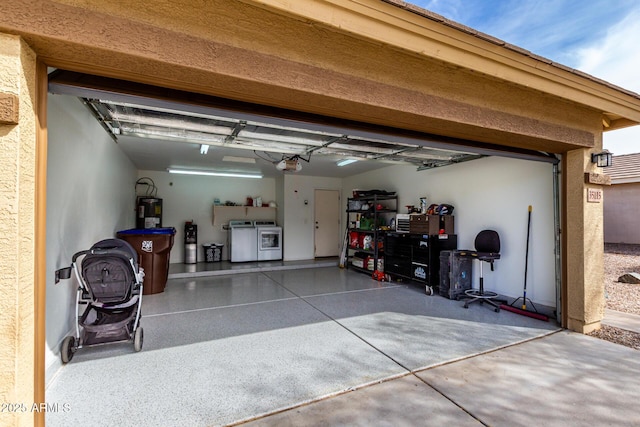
x=90, y=192
x=280, y=199
x=298, y=229
x=489, y=193
x=190, y=198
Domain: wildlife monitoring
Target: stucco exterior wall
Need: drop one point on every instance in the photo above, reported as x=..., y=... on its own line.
x=250, y=52
x=622, y=213
x=584, y=240
x=17, y=233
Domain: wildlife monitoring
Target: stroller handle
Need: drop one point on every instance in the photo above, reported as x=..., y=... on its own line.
x=77, y=255
x=65, y=273
x=62, y=274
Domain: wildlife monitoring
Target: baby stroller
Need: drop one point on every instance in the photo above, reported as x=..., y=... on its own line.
x=110, y=286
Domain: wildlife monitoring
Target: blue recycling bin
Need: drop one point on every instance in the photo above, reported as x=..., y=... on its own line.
x=153, y=246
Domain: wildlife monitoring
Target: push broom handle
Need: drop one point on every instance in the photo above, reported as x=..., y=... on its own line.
x=526, y=261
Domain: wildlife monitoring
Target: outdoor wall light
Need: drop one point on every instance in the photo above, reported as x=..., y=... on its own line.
x=602, y=160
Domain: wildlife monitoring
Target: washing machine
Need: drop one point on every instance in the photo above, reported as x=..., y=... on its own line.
x=243, y=243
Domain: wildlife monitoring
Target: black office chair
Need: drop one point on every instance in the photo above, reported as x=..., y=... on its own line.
x=487, y=250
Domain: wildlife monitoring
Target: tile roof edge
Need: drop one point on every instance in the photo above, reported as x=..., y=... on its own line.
x=486, y=37
x=628, y=154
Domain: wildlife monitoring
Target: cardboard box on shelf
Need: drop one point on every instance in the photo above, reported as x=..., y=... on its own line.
x=431, y=224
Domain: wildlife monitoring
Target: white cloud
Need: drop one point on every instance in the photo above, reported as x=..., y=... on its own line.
x=616, y=59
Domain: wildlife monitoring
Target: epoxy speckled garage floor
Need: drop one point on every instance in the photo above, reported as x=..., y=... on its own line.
x=222, y=349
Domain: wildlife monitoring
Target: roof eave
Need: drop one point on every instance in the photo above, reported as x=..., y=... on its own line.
x=404, y=26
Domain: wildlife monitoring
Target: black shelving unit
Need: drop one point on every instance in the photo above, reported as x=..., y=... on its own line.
x=374, y=218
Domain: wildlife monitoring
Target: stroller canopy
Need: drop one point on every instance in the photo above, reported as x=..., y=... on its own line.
x=116, y=246
x=109, y=270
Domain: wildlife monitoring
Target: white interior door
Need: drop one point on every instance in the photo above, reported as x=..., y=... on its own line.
x=327, y=223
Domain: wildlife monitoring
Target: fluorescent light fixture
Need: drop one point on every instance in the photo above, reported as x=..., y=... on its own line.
x=346, y=162
x=239, y=159
x=204, y=149
x=214, y=173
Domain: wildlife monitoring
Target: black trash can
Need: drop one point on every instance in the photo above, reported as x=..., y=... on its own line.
x=153, y=246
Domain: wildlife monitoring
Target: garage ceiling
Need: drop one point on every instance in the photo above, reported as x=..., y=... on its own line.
x=159, y=138
x=158, y=131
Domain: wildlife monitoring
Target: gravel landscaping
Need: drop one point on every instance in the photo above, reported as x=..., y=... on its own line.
x=618, y=336
x=620, y=259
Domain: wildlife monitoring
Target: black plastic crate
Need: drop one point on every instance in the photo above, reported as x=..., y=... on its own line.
x=456, y=273
x=212, y=252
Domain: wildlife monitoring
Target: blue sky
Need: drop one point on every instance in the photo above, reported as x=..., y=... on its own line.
x=599, y=37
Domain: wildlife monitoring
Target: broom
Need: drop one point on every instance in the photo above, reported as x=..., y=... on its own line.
x=343, y=250
x=523, y=308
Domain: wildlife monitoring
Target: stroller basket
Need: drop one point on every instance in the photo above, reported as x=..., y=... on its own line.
x=110, y=289
x=109, y=326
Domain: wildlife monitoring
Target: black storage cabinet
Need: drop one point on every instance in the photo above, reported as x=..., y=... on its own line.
x=416, y=256
x=397, y=255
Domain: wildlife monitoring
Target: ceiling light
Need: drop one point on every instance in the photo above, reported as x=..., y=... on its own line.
x=238, y=159
x=204, y=149
x=346, y=162
x=214, y=173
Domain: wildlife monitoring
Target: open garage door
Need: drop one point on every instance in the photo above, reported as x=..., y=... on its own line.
x=160, y=130
x=155, y=130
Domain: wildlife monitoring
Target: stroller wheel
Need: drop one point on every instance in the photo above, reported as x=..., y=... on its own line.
x=138, y=338
x=67, y=349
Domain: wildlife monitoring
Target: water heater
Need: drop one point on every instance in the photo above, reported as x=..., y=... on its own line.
x=149, y=212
